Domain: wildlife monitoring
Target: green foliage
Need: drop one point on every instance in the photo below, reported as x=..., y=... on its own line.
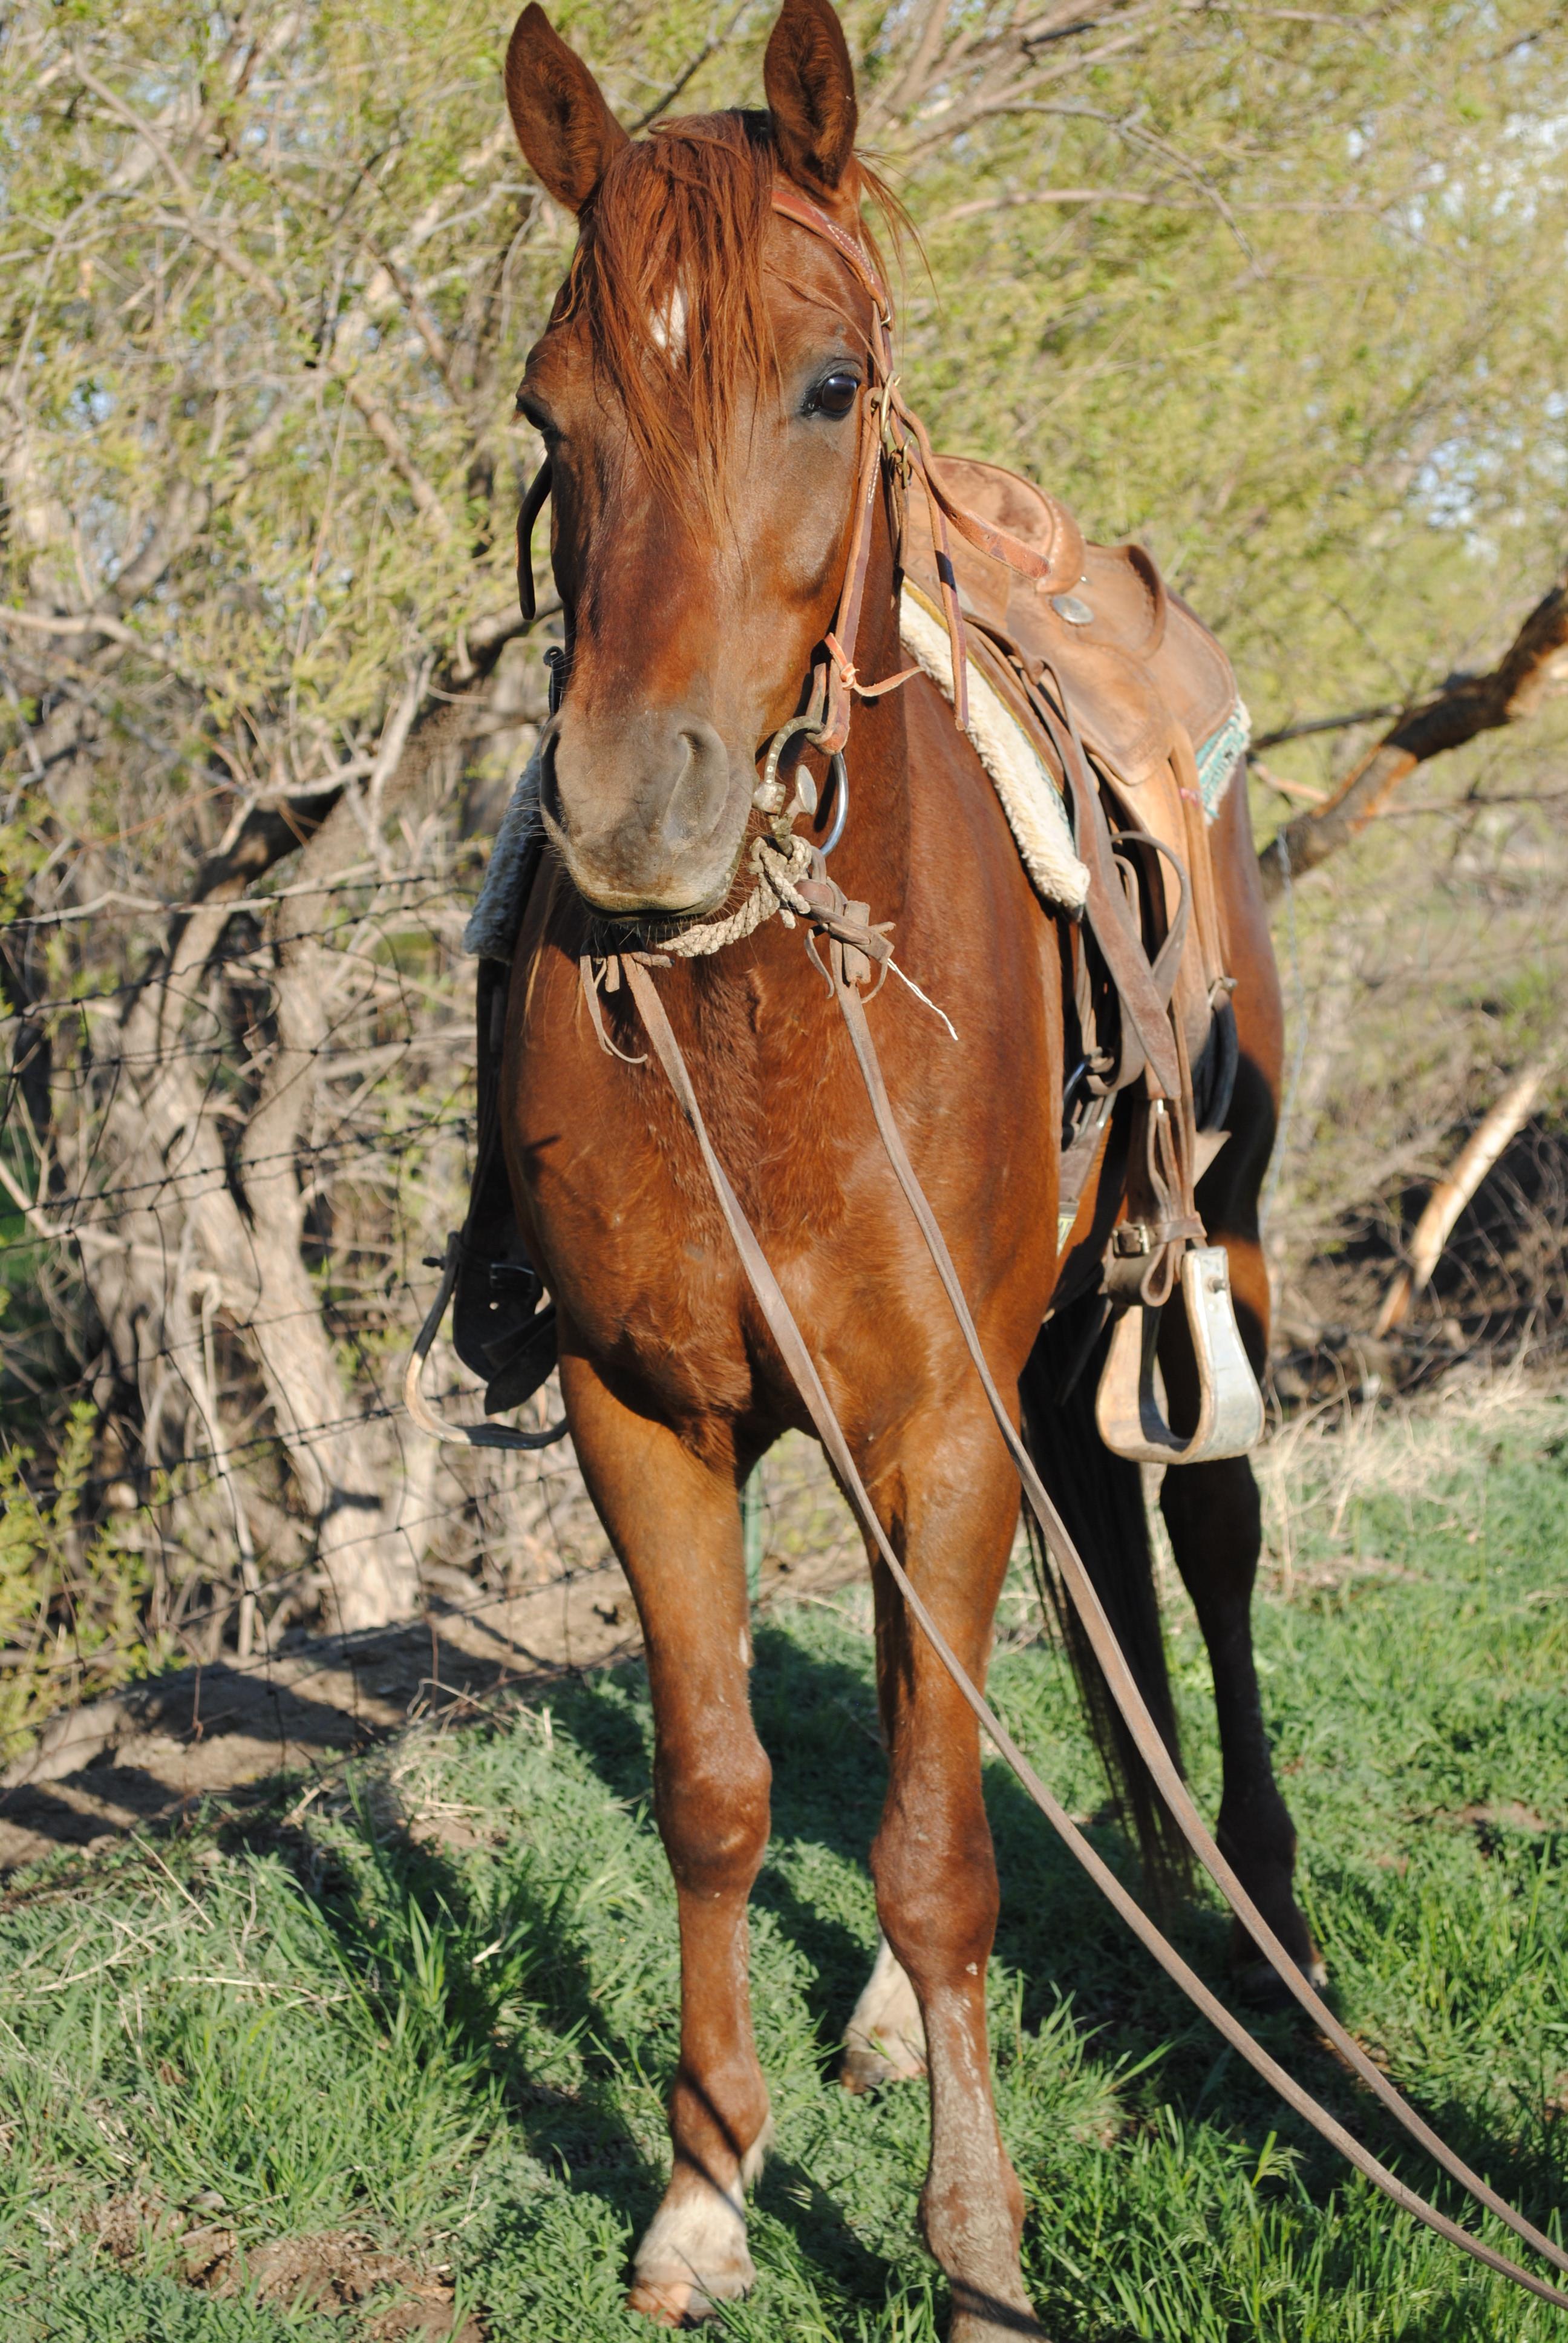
x=437, y=2007
x=90, y=1578
x=1279, y=290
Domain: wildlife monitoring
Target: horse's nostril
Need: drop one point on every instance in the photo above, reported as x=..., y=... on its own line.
x=647, y=813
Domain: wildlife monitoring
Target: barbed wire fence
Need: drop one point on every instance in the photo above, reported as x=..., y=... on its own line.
x=223, y=1179
x=216, y=1213
x=214, y=1210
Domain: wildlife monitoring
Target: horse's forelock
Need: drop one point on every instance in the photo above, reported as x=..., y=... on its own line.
x=667, y=278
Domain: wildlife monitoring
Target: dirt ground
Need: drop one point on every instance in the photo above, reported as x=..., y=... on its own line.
x=117, y=1765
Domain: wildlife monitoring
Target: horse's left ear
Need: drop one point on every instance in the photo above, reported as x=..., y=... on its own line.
x=810, y=87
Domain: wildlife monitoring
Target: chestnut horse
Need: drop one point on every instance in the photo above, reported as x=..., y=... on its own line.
x=699, y=389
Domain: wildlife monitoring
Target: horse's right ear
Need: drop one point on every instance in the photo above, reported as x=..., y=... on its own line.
x=564, y=128
x=810, y=87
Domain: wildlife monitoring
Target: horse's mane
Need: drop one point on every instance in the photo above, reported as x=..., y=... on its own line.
x=677, y=227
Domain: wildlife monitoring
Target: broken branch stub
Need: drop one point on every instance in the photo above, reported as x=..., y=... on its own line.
x=1449, y=1198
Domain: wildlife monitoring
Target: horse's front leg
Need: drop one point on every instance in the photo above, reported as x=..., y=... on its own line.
x=675, y=1522
x=949, y=1504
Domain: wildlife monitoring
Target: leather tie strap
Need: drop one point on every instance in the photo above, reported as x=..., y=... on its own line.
x=802, y=1370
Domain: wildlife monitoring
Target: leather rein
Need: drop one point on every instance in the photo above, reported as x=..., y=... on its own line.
x=895, y=445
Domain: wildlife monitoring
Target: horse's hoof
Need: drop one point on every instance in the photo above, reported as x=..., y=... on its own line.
x=667, y=2305
x=673, y=2302
x=999, y=2322
x=868, y=2066
x=695, y=2256
x=1260, y=1986
x=688, y=2300
x=1016, y=2329
x=885, y=2040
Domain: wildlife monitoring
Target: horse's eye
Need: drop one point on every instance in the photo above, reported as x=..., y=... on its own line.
x=529, y=410
x=836, y=395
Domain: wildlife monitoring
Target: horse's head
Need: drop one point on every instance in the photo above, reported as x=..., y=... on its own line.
x=699, y=389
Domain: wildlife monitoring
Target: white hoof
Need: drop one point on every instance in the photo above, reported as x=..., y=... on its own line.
x=695, y=2256
x=885, y=2040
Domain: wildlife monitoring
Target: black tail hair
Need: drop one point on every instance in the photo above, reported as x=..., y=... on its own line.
x=1101, y=1499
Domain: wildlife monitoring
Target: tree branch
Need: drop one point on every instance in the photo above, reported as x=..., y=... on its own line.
x=189, y=218
x=1536, y=663
x=1325, y=724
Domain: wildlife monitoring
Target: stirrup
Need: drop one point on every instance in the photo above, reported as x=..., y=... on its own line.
x=1127, y=1409
x=460, y=1435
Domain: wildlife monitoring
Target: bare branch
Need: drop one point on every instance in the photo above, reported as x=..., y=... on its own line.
x=1326, y=724
x=1535, y=664
x=240, y=265
x=1452, y=1194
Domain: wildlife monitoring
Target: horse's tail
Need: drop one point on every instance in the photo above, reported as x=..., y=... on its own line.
x=1101, y=1499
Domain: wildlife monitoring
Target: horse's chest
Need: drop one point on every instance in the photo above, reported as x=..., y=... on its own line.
x=643, y=1269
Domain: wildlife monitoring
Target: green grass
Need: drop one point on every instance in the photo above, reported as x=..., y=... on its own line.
x=436, y=2005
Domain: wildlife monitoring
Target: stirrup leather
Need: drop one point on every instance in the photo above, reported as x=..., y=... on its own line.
x=1127, y=1410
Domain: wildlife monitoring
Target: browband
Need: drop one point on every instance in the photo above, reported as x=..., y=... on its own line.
x=791, y=204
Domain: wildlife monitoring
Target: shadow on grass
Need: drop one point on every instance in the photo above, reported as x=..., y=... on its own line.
x=578, y=2134
x=816, y=1716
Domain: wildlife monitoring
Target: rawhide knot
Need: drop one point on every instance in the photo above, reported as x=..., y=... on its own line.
x=778, y=865
x=857, y=945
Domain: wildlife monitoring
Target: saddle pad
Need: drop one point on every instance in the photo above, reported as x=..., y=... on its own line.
x=1031, y=797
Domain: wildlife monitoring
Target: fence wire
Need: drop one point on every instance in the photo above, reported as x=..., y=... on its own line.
x=179, y=1422
x=159, y=1470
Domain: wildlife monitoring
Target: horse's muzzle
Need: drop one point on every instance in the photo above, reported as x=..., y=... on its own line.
x=648, y=820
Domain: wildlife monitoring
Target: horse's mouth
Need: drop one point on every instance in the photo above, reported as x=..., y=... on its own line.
x=648, y=928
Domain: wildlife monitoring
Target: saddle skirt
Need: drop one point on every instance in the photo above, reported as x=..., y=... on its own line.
x=1149, y=689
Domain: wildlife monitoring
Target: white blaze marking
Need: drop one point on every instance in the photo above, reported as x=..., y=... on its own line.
x=667, y=325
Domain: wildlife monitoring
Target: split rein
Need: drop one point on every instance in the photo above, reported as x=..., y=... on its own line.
x=853, y=948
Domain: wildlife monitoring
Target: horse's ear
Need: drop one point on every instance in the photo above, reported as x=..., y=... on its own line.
x=564, y=128
x=810, y=87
